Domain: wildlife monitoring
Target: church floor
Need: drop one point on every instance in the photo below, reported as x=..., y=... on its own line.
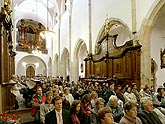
x=25, y=115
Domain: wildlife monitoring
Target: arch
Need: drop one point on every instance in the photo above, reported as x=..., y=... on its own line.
x=80, y=53
x=116, y=25
x=64, y=70
x=36, y=62
x=145, y=39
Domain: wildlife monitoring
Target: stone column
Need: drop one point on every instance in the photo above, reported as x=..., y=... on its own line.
x=133, y=5
x=146, y=55
x=90, y=29
x=59, y=34
x=70, y=37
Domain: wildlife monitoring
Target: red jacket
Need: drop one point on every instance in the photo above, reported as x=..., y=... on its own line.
x=36, y=101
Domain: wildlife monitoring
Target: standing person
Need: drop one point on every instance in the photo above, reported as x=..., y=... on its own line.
x=58, y=115
x=147, y=115
x=130, y=116
x=105, y=116
x=46, y=107
x=37, y=100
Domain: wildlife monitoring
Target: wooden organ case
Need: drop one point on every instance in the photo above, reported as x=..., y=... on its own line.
x=112, y=60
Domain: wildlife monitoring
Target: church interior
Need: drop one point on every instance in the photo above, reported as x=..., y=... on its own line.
x=81, y=40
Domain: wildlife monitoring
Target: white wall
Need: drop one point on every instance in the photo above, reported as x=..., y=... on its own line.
x=157, y=42
x=43, y=61
x=143, y=7
x=64, y=32
x=100, y=10
x=80, y=23
x=114, y=8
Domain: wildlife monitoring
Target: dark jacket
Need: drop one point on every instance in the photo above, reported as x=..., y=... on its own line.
x=149, y=118
x=50, y=118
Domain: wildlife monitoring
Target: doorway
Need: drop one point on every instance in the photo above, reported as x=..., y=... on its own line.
x=30, y=72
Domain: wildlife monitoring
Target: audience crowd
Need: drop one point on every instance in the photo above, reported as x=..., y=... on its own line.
x=55, y=101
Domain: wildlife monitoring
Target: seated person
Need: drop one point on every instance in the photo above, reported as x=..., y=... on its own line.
x=99, y=103
x=46, y=107
x=161, y=96
x=76, y=112
x=105, y=116
x=146, y=114
x=65, y=102
x=130, y=115
x=58, y=115
x=117, y=110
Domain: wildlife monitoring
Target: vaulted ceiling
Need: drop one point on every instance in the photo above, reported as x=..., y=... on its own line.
x=44, y=11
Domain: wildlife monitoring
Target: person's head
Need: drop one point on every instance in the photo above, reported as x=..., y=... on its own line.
x=112, y=85
x=55, y=92
x=119, y=87
x=134, y=86
x=160, y=90
x=60, y=88
x=49, y=95
x=105, y=116
x=62, y=96
x=14, y=78
x=146, y=104
x=86, y=98
x=128, y=89
x=146, y=89
x=66, y=90
x=57, y=101
x=130, y=108
x=94, y=95
x=99, y=102
x=43, y=85
x=76, y=106
x=39, y=90
x=113, y=101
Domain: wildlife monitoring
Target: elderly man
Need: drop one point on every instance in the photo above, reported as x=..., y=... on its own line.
x=58, y=115
x=99, y=103
x=117, y=110
x=147, y=115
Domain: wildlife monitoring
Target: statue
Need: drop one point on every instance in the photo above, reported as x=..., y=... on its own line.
x=152, y=66
x=7, y=23
x=106, y=26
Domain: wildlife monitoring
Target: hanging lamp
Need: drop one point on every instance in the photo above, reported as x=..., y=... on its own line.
x=47, y=33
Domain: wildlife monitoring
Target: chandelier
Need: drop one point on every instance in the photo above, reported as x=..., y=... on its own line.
x=47, y=33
